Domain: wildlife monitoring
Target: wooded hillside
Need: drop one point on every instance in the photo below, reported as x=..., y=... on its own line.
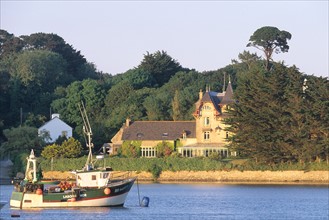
x=273, y=117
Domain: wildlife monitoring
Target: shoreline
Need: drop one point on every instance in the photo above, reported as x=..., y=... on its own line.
x=222, y=177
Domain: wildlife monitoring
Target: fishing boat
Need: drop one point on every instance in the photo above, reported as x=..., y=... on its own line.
x=93, y=187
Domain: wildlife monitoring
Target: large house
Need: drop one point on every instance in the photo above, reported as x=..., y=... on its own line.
x=200, y=137
x=55, y=128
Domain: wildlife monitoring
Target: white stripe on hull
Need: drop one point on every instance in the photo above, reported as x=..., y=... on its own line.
x=36, y=202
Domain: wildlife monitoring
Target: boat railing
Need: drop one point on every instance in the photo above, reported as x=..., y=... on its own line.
x=119, y=176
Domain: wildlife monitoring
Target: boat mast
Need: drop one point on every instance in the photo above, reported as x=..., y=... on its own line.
x=87, y=132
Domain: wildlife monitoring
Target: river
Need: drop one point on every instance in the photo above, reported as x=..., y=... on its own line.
x=197, y=201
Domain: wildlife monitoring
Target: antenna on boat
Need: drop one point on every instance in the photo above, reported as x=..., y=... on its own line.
x=88, y=133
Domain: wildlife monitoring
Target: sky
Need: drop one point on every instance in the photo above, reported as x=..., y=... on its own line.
x=201, y=35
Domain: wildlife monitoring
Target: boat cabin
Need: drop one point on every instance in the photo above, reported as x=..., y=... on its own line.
x=93, y=178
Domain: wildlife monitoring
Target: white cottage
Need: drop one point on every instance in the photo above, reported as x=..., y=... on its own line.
x=55, y=128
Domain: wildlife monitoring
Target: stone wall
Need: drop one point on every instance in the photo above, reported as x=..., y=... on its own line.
x=223, y=176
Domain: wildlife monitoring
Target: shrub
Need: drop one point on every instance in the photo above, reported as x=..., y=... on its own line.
x=70, y=148
x=131, y=149
x=164, y=149
x=51, y=151
x=155, y=171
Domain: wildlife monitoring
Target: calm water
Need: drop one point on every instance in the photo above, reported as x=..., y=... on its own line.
x=198, y=201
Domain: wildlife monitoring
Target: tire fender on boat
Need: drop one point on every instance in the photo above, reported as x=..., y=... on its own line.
x=72, y=199
x=39, y=192
x=107, y=191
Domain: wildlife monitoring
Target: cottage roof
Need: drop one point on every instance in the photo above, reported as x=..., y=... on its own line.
x=159, y=130
x=54, y=120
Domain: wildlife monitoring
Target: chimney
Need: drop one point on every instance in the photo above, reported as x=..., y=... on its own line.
x=54, y=116
x=200, y=94
x=128, y=122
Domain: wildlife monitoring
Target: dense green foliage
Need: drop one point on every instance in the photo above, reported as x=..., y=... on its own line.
x=164, y=149
x=21, y=139
x=274, y=120
x=130, y=149
x=70, y=148
x=175, y=164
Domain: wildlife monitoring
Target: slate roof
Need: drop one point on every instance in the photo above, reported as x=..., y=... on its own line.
x=228, y=97
x=218, y=98
x=159, y=130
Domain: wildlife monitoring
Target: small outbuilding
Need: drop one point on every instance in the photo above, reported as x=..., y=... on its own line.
x=55, y=128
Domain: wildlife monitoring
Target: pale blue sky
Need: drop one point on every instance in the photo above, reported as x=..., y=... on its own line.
x=204, y=35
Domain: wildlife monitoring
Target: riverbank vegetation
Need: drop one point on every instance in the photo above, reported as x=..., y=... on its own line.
x=157, y=165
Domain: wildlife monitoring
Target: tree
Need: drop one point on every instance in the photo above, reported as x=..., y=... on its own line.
x=9, y=44
x=139, y=78
x=40, y=68
x=270, y=39
x=176, y=106
x=91, y=93
x=51, y=151
x=160, y=65
x=274, y=121
x=247, y=58
x=57, y=44
x=70, y=148
x=21, y=139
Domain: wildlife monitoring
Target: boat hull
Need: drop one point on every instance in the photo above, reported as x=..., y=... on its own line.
x=112, y=195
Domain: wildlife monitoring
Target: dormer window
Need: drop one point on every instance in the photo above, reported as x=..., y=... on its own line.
x=165, y=134
x=184, y=135
x=139, y=135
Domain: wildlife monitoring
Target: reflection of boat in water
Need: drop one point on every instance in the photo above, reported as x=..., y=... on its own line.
x=92, y=187
x=2, y=204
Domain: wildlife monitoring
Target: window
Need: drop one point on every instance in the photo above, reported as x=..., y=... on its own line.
x=93, y=177
x=206, y=121
x=148, y=152
x=206, y=107
x=64, y=133
x=227, y=134
x=206, y=135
